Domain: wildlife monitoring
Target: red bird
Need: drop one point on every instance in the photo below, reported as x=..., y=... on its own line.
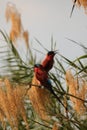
x=42, y=77
x=48, y=62
x=41, y=74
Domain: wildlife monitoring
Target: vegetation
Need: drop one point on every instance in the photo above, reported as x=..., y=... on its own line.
x=24, y=104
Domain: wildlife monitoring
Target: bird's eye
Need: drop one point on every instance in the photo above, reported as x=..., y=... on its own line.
x=50, y=52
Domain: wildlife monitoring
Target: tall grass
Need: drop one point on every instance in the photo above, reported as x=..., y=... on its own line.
x=24, y=103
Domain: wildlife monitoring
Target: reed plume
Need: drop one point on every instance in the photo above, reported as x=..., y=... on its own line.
x=39, y=98
x=12, y=105
x=17, y=31
x=55, y=126
x=82, y=3
x=26, y=37
x=15, y=18
x=78, y=88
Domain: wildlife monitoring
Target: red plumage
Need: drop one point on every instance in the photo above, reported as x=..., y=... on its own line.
x=42, y=77
x=40, y=73
x=48, y=62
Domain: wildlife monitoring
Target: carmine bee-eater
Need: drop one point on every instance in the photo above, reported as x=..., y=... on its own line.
x=42, y=77
x=48, y=62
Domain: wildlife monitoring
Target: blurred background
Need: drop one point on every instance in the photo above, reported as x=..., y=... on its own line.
x=47, y=18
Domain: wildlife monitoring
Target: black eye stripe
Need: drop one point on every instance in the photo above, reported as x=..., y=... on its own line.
x=51, y=52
